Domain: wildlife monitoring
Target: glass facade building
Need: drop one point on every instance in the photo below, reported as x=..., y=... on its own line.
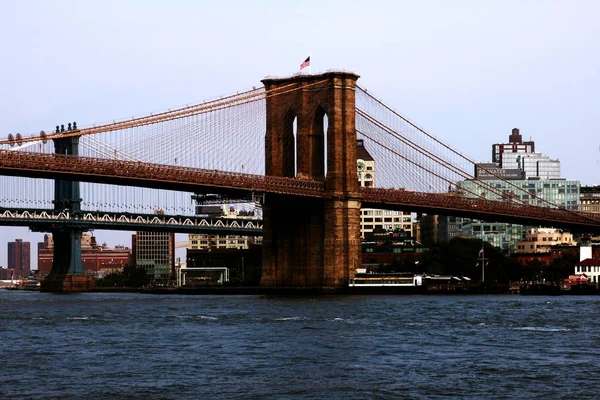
x=533, y=164
x=561, y=192
x=155, y=252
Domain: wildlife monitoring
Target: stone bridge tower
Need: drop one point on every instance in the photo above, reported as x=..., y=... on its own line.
x=312, y=242
x=68, y=273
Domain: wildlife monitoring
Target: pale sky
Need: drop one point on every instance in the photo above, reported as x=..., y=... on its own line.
x=466, y=71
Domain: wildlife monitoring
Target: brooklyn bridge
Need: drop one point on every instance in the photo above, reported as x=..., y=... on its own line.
x=289, y=145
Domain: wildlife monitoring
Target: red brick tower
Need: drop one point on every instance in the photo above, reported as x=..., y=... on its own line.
x=310, y=242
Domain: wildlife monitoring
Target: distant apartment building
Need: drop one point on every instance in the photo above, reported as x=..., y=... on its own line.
x=154, y=252
x=212, y=241
x=6, y=274
x=447, y=228
x=375, y=219
x=98, y=260
x=429, y=226
x=19, y=258
x=541, y=240
x=589, y=196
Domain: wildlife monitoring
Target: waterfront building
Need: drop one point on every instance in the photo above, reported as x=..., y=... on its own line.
x=19, y=258
x=210, y=241
x=591, y=268
x=556, y=252
x=375, y=219
x=237, y=265
x=98, y=260
x=154, y=252
x=391, y=250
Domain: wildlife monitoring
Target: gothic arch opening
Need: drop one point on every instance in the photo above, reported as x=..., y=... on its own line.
x=289, y=144
x=319, y=144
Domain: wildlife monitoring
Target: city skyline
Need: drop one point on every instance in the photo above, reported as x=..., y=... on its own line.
x=467, y=73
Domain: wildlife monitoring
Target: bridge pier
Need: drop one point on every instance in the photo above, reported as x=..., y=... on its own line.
x=68, y=273
x=312, y=243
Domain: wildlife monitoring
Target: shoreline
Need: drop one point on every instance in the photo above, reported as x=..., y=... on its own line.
x=303, y=291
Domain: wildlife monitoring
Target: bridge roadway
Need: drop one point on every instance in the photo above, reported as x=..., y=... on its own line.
x=45, y=220
x=140, y=174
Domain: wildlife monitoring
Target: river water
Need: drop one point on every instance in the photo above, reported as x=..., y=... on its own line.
x=135, y=346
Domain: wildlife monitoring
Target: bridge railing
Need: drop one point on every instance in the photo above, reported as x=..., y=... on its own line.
x=451, y=202
x=68, y=164
x=169, y=175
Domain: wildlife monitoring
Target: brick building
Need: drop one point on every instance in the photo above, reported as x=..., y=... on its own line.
x=98, y=261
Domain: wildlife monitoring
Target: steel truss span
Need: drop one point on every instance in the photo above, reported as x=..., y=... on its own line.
x=42, y=220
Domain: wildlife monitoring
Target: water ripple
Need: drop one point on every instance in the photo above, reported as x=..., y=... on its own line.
x=134, y=346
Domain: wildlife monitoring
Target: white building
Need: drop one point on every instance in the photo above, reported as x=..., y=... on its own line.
x=591, y=268
x=375, y=219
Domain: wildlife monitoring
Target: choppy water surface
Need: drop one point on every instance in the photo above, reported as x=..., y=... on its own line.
x=133, y=346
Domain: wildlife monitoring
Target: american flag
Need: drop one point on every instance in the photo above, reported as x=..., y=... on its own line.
x=306, y=63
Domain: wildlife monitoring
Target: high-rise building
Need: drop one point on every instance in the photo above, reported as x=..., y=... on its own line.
x=154, y=252
x=375, y=219
x=19, y=253
x=517, y=154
